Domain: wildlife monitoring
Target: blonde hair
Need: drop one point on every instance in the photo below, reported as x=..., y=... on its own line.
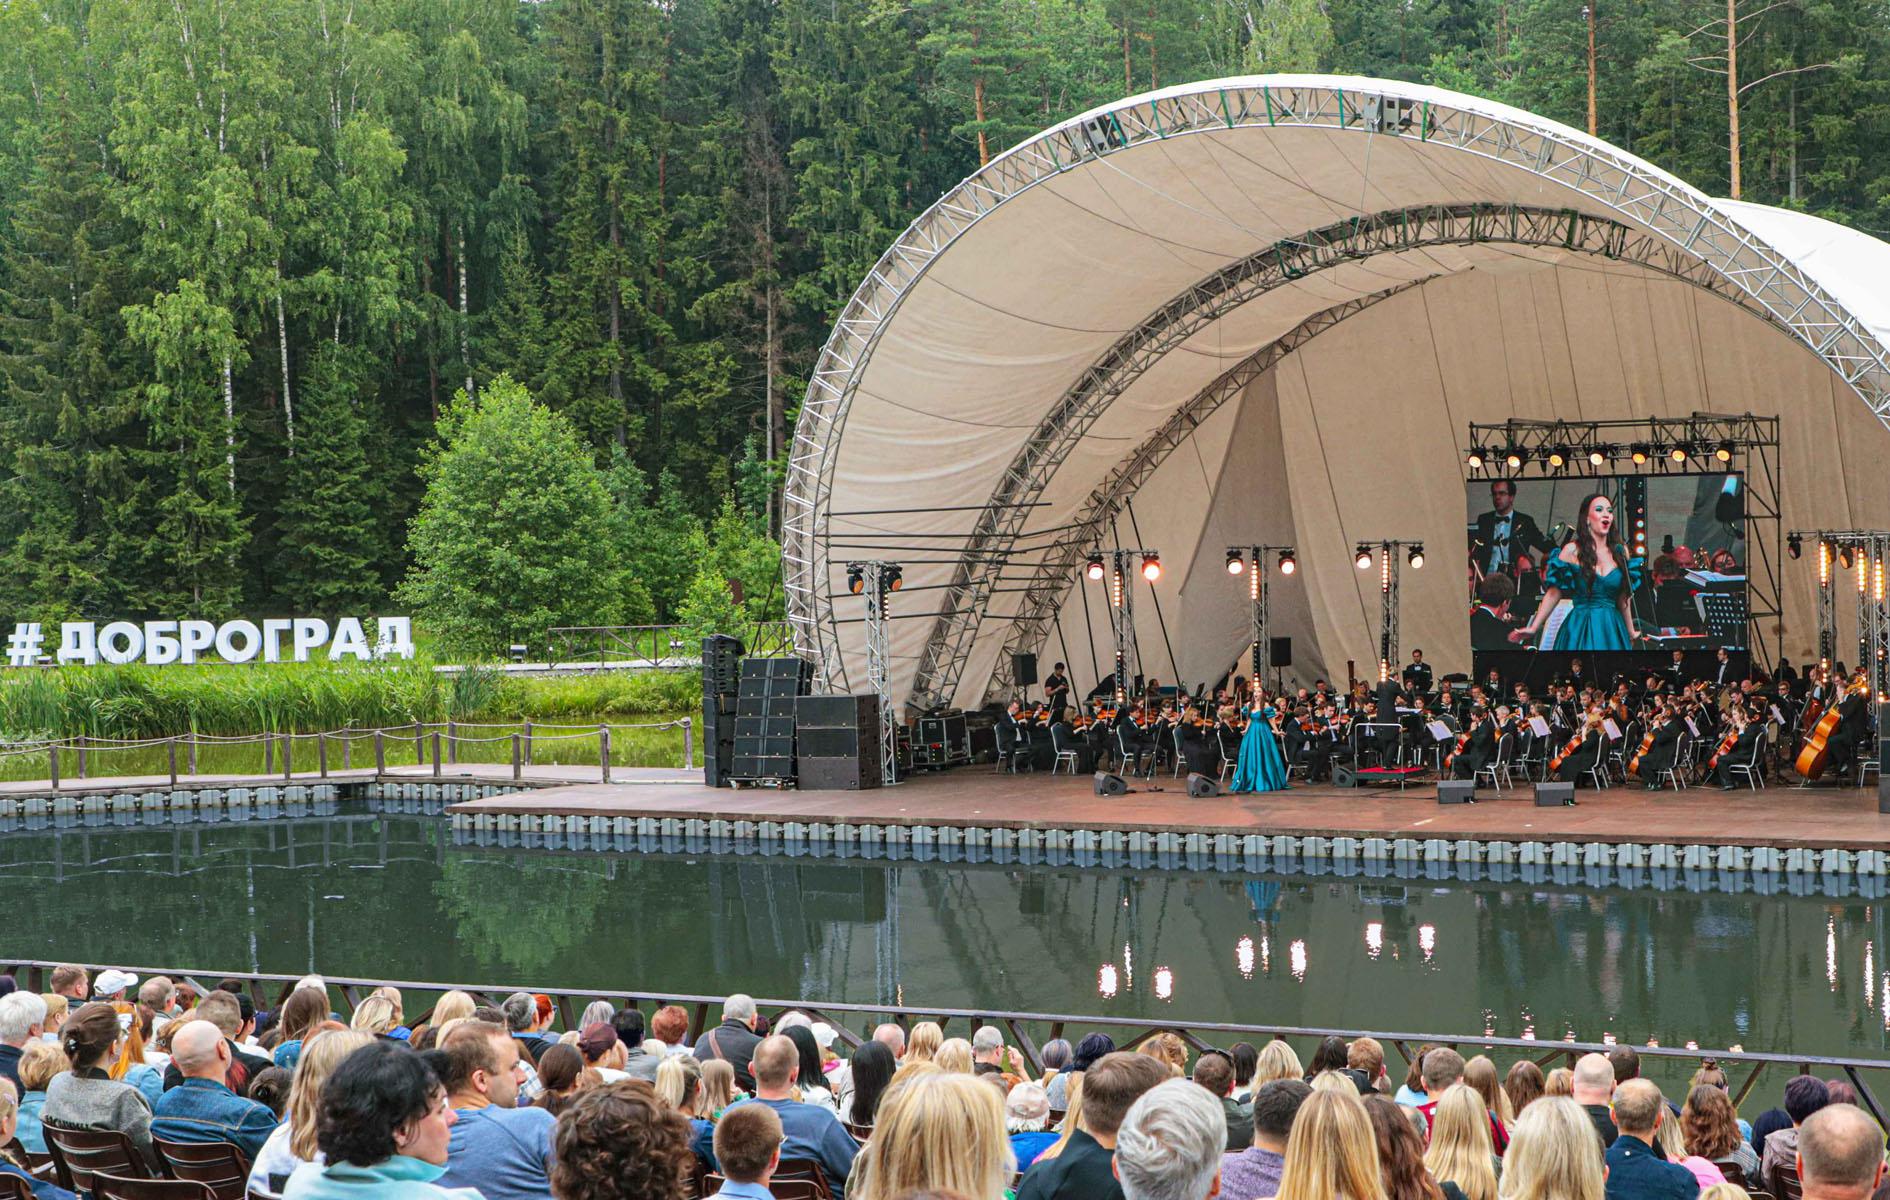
x=936, y=1131
x=1551, y=1155
x=676, y=1078
x=57, y=1008
x=1072, y=1118
x=391, y=994
x=954, y=1055
x=1480, y=1074
x=320, y=1055
x=1167, y=1047
x=375, y=1015
x=1724, y=1191
x=923, y=1042
x=454, y=1005
x=1276, y=1061
x=1333, y=1151
x=1461, y=1146
x=1667, y=1135
x=39, y=1062
x=718, y=1087
x=1561, y=1082
x=1332, y=1081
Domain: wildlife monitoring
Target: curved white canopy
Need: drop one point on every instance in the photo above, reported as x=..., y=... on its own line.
x=1265, y=309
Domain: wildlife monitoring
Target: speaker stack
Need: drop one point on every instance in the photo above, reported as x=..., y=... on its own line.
x=1883, y=756
x=721, y=676
x=837, y=742
x=764, y=718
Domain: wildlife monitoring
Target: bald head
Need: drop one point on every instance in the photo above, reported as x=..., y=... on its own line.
x=1637, y=1107
x=774, y=1066
x=1840, y=1153
x=1594, y=1079
x=893, y=1038
x=198, y=1050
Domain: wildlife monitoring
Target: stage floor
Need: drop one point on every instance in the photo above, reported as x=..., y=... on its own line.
x=1786, y=818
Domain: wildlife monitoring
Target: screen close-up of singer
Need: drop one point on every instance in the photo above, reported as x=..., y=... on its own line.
x=1607, y=564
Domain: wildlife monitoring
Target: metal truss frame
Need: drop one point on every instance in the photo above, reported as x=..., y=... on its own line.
x=1682, y=220
x=1870, y=549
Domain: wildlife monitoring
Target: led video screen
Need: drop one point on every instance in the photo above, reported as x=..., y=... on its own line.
x=1663, y=568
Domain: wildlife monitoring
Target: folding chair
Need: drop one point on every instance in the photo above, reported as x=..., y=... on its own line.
x=220, y=1166
x=78, y=1154
x=1498, y=768
x=114, y=1187
x=1061, y=749
x=1752, y=770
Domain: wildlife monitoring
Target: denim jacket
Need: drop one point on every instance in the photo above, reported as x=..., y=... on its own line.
x=204, y=1110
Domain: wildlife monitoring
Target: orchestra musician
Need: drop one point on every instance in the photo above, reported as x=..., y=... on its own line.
x=1853, y=721
x=1503, y=534
x=1750, y=731
x=1056, y=690
x=1490, y=621
x=1481, y=747
x=1587, y=752
x=1417, y=674
x=1660, y=755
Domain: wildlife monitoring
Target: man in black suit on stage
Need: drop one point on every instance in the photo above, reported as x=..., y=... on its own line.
x=1489, y=621
x=1853, y=724
x=1417, y=675
x=1503, y=533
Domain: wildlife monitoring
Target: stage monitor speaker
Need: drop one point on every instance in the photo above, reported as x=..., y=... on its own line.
x=1023, y=669
x=1108, y=784
x=1456, y=791
x=1344, y=775
x=1202, y=786
x=1554, y=795
x=1281, y=652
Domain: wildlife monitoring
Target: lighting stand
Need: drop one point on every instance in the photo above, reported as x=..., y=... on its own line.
x=1389, y=550
x=878, y=594
x=1257, y=588
x=1122, y=616
x=1869, y=548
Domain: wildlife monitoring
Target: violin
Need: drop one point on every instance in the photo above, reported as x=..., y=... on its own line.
x=1574, y=744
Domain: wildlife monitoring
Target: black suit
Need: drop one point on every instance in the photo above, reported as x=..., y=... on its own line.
x=1488, y=631
x=1586, y=755
x=1417, y=678
x=1524, y=538
x=1660, y=755
x=1853, y=717
x=1478, y=753
x=1740, y=754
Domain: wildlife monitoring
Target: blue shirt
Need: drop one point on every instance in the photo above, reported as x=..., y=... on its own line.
x=43, y=1189
x=745, y=1191
x=1636, y=1173
x=505, y=1153
x=396, y=1178
x=30, y=1133
x=205, y=1110
x=811, y=1132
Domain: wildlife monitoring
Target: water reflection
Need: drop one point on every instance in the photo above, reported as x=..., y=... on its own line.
x=358, y=893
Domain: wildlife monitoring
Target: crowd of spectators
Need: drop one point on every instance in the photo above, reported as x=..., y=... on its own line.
x=497, y=1102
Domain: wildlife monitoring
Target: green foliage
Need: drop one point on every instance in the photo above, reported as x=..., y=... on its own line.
x=332, y=540
x=515, y=532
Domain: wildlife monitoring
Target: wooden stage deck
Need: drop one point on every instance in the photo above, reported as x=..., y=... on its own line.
x=1817, y=818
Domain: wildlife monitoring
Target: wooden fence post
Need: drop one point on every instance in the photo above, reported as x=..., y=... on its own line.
x=53, y=753
x=380, y=754
x=81, y=744
x=170, y=749
x=688, y=744
x=321, y=753
x=419, y=746
x=528, y=739
x=269, y=754
x=436, y=754
x=190, y=748
x=603, y=749
x=452, y=741
x=347, y=750
x=288, y=746
x=518, y=766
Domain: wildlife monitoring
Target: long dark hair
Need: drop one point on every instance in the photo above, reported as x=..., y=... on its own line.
x=1400, y=1153
x=810, y=1073
x=1585, y=554
x=872, y=1066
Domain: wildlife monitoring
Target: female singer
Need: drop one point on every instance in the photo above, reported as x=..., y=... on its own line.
x=1260, y=767
x=1596, y=572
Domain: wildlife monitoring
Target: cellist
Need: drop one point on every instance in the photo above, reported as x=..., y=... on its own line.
x=1477, y=746
x=1659, y=755
x=1853, y=722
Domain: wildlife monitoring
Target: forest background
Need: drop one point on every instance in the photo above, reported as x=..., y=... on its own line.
x=295, y=293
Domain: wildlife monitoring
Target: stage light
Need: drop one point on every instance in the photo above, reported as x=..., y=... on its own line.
x=1417, y=557
x=1678, y=453
x=1557, y=458
x=1844, y=558
x=1288, y=564
x=1639, y=454
x=1151, y=567
x=1600, y=455
x=892, y=578
x=1475, y=458
x=1095, y=568
x=1512, y=457
x=1725, y=452
x=1363, y=560
x=856, y=578
x=1794, y=545
x=1235, y=563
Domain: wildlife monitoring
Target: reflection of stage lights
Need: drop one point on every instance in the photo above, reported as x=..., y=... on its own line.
x=1106, y=981
x=1374, y=939
x=1296, y=953
x=1427, y=940
x=1243, y=957
x=1164, y=984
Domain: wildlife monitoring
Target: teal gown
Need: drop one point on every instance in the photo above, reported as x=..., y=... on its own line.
x=1594, y=619
x=1261, y=767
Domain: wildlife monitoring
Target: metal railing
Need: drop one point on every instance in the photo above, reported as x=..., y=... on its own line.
x=853, y=1023
x=435, y=743
x=659, y=647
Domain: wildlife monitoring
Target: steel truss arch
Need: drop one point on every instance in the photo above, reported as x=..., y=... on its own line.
x=1680, y=218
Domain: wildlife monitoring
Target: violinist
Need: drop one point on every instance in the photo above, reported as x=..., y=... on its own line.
x=1663, y=745
x=1013, y=736
x=1137, y=745
x=1748, y=732
x=1476, y=746
x=1056, y=690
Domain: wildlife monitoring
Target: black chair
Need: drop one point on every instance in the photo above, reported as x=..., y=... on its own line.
x=1789, y=1185
x=12, y=1187
x=860, y=1132
x=220, y=1166
x=78, y=1154
x=113, y=1187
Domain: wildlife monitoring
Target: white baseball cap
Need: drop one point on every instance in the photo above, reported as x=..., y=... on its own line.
x=111, y=981
x=823, y=1034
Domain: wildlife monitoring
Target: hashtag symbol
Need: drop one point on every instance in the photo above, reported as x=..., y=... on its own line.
x=23, y=646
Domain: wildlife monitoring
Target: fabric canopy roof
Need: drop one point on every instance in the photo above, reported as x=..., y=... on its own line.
x=1265, y=310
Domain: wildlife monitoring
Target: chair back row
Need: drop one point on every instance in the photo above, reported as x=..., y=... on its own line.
x=216, y=1170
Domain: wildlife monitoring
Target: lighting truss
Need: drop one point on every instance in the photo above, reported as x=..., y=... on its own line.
x=879, y=578
x=1390, y=554
x=1869, y=548
x=1257, y=591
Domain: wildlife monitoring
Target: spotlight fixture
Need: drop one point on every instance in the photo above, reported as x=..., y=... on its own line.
x=1557, y=458
x=1599, y=456
x=1639, y=454
x=1095, y=567
x=1725, y=452
x=1794, y=545
x=1151, y=567
x=1679, y=452
x=1416, y=557
x=1363, y=560
x=1844, y=558
x=1288, y=564
x=1512, y=458
x=1475, y=458
x=1235, y=563
x=892, y=578
x=856, y=578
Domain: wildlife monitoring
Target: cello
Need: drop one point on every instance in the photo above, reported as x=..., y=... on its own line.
x=1574, y=744
x=1815, y=756
x=1647, y=743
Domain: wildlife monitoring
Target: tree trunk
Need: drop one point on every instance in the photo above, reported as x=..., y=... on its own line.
x=229, y=423
x=1791, y=144
x=1589, y=9
x=1732, y=90
x=977, y=100
x=465, y=320
x=282, y=344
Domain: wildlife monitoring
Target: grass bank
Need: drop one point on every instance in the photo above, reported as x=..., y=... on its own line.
x=145, y=701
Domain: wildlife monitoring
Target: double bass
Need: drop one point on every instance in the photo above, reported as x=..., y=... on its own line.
x=1815, y=756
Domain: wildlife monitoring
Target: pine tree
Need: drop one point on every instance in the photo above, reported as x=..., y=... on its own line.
x=333, y=535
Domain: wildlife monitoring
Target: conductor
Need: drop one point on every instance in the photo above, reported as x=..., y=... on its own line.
x=1503, y=533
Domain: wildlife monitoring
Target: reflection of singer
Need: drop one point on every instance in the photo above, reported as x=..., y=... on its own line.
x=1596, y=573
x=1504, y=533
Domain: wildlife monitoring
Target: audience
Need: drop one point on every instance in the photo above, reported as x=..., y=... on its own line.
x=1840, y=1154
x=808, y=1131
x=225, y=1011
x=560, y=1074
x=1365, y=1063
x=1215, y=1072
x=679, y=1085
x=22, y=1021
x=527, y=1024
x=1635, y=1170
x=1083, y=1170
x=1524, y=1085
x=810, y=1074
x=640, y=1059
x=1804, y=1095
x=306, y=1008
x=1170, y=1049
x=42, y=1062
x=734, y=1041
x=1170, y=1144
x=718, y=1089
x=924, y=1041
x=1246, y=1058
x=1550, y=1154
x=293, y=1141
x=1710, y=1129
x=869, y=1074
x=1592, y=1086
x=670, y=1026
x=1090, y=1049
x=1559, y=1082
x=1462, y=1155
x=1480, y=1074
x=1400, y=1153
x=1254, y=1172
x=496, y=1147
x=603, y=1051
x=202, y=1108
x=620, y=1142
x=1027, y=1121
x=382, y=1130
x=9, y=1164
x=937, y=1131
x=954, y=1056
x=87, y=1097
x=1412, y=1094
x=1333, y=1153
x=1443, y=1069
x=1276, y=1061
x=748, y=1148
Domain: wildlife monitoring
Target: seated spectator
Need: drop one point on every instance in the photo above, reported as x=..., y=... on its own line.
x=1170, y=1144
x=38, y=1066
x=718, y=1089
x=871, y=1072
x=382, y=1132
x=1400, y=1153
x=305, y=1009
x=1524, y=1085
x=22, y=1020
x=157, y=1002
x=1549, y=1156
x=924, y=1040
x=639, y=1062
x=134, y=1062
x=453, y=1006
x=1559, y=1082
x=1443, y=1068
x=72, y=982
x=1333, y=1153
x=378, y=1016
x=1804, y=1095
x=391, y=994
x=748, y=1147
x=1084, y=1169
x=989, y=1056
x=809, y=1131
x=496, y=1147
x=603, y=1052
x=1635, y=1171
x=87, y=1097
x=1168, y=1048
x=1673, y=1147
x=810, y=1074
x=1592, y=1087
x=938, y=1131
x=1411, y=1094
x=58, y=1008
x=734, y=1040
x=1365, y=1062
x=1711, y=1074
x=1254, y=1173
x=270, y=1089
x=679, y=1085
x=1276, y=1061
x=203, y=1108
x=596, y=1011
x=561, y=1074
x=292, y=1143
x=9, y=1165
x=1331, y=1055
x=1480, y=1074
x=1055, y=1056
x=527, y=1025
x=1461, y=1154
x=1246, y=1058
x=1214, y=1070
x=1027, y=1121
x=1091, y=1048
x=670, y=1026
x=954, y=1056
x=1840, y=1154
x=1710, y=1130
